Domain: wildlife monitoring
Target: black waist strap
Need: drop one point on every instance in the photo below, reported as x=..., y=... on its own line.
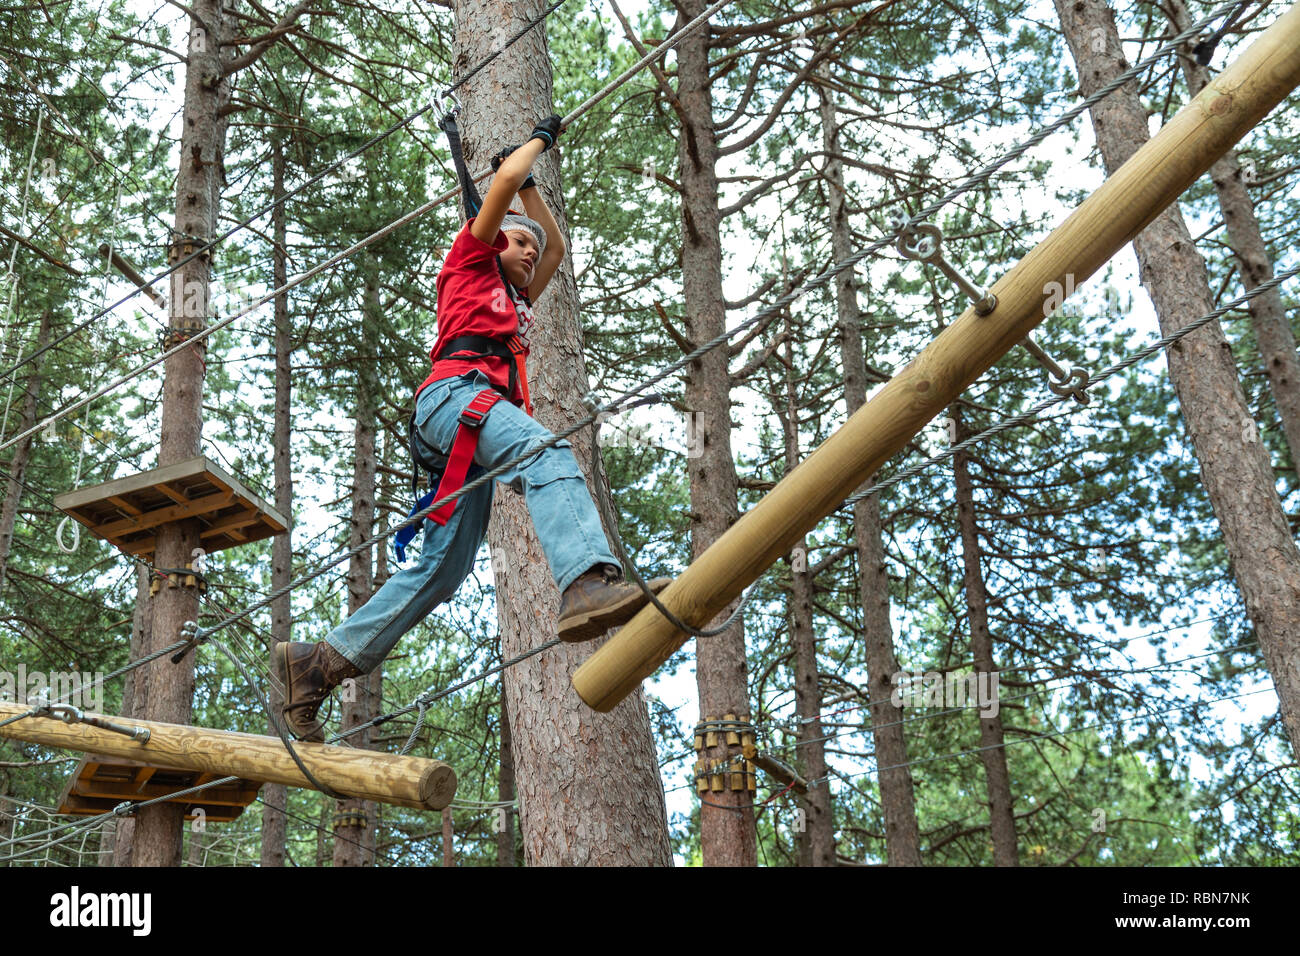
x=479, y=346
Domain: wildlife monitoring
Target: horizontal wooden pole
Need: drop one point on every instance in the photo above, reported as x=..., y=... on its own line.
x=1153, y=178
x=414, y=782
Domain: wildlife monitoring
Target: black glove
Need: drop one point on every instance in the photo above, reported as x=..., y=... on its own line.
x=499, y=157
x=548, y=131
x=528, y=183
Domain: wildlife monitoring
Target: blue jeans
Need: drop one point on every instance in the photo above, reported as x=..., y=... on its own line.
x=558, y=500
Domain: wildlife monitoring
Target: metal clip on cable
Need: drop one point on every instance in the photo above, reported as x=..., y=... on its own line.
x=72, y=715
x=1074, y=383
x=449, y=94
x=194, y=636
x=924, y=242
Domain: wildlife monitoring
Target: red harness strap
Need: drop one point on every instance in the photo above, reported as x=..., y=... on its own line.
x=519, y=351
x=462, y=451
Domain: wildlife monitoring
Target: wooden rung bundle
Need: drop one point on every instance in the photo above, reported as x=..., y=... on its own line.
x=728, y=772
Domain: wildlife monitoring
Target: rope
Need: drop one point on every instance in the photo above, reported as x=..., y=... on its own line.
x=819, y=280
x=1006, y=700
x=816, y=282
x=488, y=476
x=496, y=53
x=976, y=179
x=430, y=697
x=279, y=729
x=94, y=154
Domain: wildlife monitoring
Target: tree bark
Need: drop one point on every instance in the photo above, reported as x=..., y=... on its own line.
x=159, y=828
x=898, y=802
x=6, y=813
x=448, y=849
x=589, y=783
x=1235, y=469
x=993, y=752
x=17, y=467
x=134, y=700
x=506, y=792
x=816, y=841
x=1268, y=316
x=355, y=838
x=275, y=795
x=727, y=835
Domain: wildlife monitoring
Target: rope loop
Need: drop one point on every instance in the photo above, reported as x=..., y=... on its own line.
x=76, y=536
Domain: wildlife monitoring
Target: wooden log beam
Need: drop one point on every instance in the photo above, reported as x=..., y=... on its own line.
x=1123, y=206
x=414, y=782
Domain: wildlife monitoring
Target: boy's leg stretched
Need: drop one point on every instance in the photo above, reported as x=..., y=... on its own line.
x=588, y=575
x=360, y=644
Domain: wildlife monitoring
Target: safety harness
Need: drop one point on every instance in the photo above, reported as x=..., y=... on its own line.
x=455, y=467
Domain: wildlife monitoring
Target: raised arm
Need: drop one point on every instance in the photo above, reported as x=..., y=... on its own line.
x=537, y=209
x=514, y=169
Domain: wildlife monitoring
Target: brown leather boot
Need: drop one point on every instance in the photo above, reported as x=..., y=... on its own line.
x=599, y=600
x=308, y=672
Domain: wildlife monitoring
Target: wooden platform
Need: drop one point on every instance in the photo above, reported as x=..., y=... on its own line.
x=98, y=784
x=128, y=511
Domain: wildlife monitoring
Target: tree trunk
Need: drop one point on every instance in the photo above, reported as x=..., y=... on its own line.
x=158, y=828
x=6, y=813
x=898, y=803
x=1235, y=469
x=1268, y=315
x=17, y=467
x=816, y=841
x=589, y=783
x=355, y=836
x=134, y=699
x=448, y=850
x=993, y=754
x=727, y=836
x=275, y=795
x=506, y=792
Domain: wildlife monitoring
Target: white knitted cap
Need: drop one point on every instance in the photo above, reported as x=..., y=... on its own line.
x=517, y=221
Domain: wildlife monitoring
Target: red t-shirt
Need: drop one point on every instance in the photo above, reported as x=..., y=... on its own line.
x=472, y=300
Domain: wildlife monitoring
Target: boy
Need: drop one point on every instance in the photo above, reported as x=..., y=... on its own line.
x=482, y=343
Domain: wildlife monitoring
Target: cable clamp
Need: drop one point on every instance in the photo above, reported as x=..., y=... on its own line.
x=924, y=243
x=73, y=715
x=1074, y=383
x=194, y=636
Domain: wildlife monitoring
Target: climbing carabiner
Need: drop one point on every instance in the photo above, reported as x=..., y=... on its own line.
x=449, y=94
